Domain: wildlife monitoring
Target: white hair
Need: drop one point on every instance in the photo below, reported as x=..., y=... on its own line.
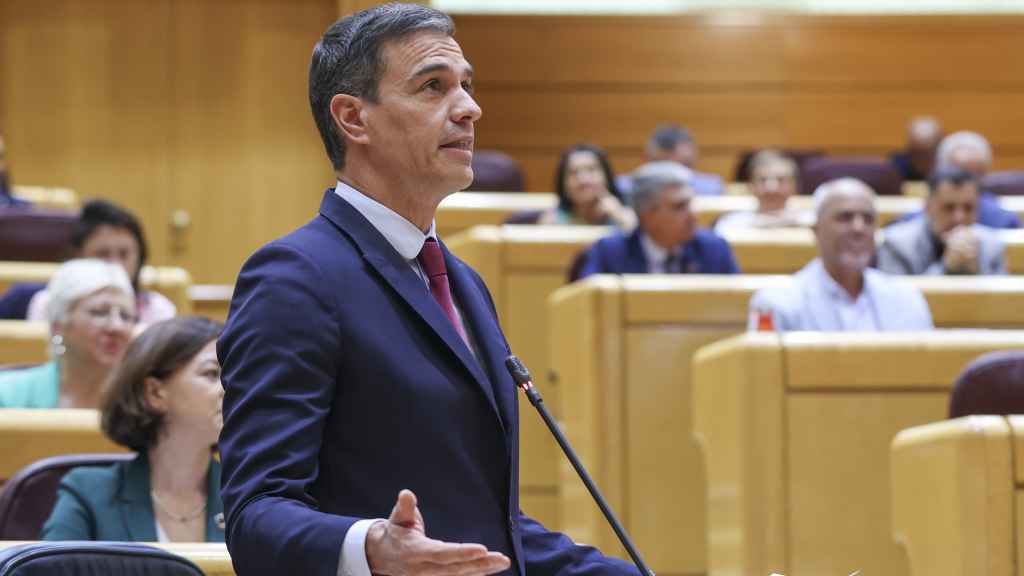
x=825, y=191
x=76, y=279
x=651, y=178
x=961, y=139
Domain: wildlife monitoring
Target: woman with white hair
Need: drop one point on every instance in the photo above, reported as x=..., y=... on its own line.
x=91, y=313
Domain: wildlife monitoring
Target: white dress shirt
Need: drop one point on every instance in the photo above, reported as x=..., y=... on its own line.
x=408, y=241
x=813, y=300
x=658, y=258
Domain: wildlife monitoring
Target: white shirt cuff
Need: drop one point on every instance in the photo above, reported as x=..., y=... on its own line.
x=353, y=550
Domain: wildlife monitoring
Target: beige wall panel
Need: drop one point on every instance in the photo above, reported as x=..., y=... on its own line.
x=555, y=119
x=838, y=462
x=872, y=119
x=249, y=165
x=861, y=49
x=84, y=100
x=617, y=51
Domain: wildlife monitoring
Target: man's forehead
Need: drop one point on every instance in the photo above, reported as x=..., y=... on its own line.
x=850, y=200
x=414, y=53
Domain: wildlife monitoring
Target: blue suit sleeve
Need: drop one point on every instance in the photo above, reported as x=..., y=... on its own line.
x=71, y=519
x=553, y=553
x=591, y=262
x=280, y=354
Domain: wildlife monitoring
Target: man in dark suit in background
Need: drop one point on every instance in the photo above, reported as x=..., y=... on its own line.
x=362, y=361
x=667, y=240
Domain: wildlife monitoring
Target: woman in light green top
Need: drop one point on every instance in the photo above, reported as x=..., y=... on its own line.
x=91, y=314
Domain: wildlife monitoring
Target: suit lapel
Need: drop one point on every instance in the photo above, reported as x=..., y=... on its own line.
x=136, y=505
x=484, y=330
x=376, y=250
x=636, y=260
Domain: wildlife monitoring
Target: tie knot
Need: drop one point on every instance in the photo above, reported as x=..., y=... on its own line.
x=431, y=259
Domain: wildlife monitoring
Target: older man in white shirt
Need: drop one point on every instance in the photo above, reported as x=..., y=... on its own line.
x=838, y=291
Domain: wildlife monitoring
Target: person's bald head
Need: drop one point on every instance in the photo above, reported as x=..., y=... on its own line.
x=845, y=226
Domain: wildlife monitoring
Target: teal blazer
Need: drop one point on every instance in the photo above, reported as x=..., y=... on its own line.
x=113, y=503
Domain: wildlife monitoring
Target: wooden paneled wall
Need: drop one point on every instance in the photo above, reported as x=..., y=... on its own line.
x=845, y=84
x=170, y=107
x=196, y=113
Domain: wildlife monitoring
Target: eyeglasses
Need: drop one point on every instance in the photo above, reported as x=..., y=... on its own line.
x=111, y=315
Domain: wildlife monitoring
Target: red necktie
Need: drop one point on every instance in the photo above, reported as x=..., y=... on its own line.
x=431, y=259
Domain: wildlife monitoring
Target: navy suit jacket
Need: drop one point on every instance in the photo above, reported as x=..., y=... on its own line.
x=345, y=382
x=706, y=253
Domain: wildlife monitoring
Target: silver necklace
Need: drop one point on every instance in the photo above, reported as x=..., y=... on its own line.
x=179, y=518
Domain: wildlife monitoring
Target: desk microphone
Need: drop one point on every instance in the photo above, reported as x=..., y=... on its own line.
x=525, y=383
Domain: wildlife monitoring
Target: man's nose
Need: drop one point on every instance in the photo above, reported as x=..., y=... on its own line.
x=466, y=109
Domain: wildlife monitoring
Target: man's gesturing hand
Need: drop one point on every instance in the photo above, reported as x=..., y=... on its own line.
x=400, y=547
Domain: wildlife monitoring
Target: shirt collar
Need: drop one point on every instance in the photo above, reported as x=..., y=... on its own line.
x=655, y=254
x=403, y=235
x=833, y=288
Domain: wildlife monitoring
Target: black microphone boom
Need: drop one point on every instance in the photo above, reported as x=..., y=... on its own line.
x=525, y=383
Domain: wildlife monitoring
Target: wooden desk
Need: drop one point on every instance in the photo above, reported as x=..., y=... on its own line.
x=170, y=281
x=48, y=197
x=211, y=300
x=30, y=435
x=796, y=430
x=957, y=496
x=24, y=342
x=621, y=349
x=463, y=210
x=211, y=557
x=522, y=265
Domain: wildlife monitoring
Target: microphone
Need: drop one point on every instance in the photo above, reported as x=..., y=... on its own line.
x=521, y=375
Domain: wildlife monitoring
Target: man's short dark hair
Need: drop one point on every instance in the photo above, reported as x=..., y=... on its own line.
x=349, y=59
x=955, y=176
x=668, y=137
x=96, y=213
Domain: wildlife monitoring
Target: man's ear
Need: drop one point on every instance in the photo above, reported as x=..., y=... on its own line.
x=349, y=118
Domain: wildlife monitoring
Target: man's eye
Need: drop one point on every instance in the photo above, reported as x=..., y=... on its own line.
x=434, y=84
x=468, y=87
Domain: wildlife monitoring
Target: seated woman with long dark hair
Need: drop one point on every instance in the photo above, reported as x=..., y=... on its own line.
x=164, y=402
x=586, y=191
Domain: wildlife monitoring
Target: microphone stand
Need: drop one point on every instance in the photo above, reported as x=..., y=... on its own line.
x=524, y=381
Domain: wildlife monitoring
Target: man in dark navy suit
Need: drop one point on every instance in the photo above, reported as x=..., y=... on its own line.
x=369, y=423
x=667, y=240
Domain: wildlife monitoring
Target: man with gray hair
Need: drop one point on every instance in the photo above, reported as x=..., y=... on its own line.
x=838, y=291
x=971, y=152
x=667, y=240
x=370, y=424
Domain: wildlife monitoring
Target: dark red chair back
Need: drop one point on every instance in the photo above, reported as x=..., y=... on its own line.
x=878, y=173
x=27, y=499
x=495, y=171
x=992, y=384
x=35, y=234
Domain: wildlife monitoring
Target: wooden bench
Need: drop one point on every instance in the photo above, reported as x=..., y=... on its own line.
x=463, y=210
x=170, y=281
x=30, y=435
x=958, y=496
x=621, y=349
x=796, y=430
x=48, y=197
